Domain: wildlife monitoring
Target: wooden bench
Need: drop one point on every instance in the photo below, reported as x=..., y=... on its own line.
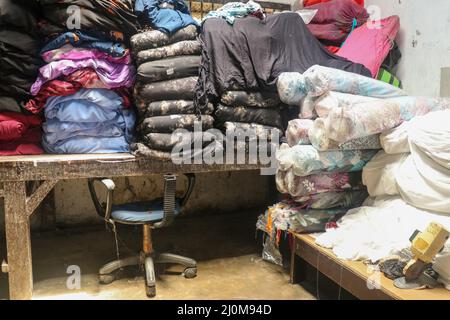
x=354, y=276
x=46, y=171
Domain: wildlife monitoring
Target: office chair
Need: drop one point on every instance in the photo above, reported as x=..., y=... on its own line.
x=154, y=214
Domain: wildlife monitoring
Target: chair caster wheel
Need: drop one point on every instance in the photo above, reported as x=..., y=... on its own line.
x=107, y=278
x=150, y=291
x=190, y=273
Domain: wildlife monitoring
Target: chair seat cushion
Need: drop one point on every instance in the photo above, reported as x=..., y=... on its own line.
x=141, y=212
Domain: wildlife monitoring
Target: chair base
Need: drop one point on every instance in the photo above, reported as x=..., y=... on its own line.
x=107, y=273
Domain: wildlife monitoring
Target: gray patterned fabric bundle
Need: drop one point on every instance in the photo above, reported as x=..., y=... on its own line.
x=168, y=67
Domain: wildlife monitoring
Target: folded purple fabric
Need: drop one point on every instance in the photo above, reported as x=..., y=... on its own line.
x=69, y=52
x=111, y=74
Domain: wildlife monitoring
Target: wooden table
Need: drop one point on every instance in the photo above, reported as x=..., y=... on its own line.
x=47, y=170
x=354, y=276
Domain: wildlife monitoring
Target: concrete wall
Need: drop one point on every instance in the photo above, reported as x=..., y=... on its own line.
x=424, y=41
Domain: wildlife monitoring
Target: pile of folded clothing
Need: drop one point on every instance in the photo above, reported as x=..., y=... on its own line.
x=168, y=56
x=19, y=64
x=83, y=90
x=335, y=20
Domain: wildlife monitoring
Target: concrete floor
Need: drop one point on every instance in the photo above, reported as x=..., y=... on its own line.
x=229, y=264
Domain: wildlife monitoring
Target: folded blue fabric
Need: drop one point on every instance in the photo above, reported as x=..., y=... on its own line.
x=87, y=105
x=81, y=39
x=83, y=145
x=122, y=125
x=169, y=20
x=89, y=121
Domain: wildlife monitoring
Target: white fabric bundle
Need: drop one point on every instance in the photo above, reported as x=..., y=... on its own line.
x=380, y=228
x=424, y=178
x=379, y=175
x=396, y=141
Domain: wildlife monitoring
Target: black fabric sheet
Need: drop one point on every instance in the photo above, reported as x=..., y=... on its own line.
x=250, y=54
x=100, y=15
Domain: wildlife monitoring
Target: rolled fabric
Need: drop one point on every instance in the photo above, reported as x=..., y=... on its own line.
x=379, y=175
x=307, y=107
x=319, y=183
x=307, y=160
x=177, y=89
x=330, y=200
x=250, y=99
x=395, y=141
x=298, y=131
x=319, y=80
x=280, y=180
x=334, y=100
x=264, y=116
x=318, y=136
x=168, y=68
x=154, y=39
x=291, y=88
x=188, y=47
x=168, y=124
x=363, y=119
x=169, y=107
x=260, y=131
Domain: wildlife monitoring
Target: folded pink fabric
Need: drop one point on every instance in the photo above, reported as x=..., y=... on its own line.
x=112, y=74
x=68, y=52
x=370, y=45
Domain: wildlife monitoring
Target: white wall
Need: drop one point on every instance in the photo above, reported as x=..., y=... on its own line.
x=424, y=40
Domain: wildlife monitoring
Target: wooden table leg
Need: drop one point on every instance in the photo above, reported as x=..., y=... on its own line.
x=18, y=241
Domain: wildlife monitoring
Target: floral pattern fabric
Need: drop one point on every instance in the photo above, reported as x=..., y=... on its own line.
x=306, y=160
x=289, y=183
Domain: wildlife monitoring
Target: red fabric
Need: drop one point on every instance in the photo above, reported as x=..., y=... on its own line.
x=83, y=78
x=334, y=20
x=370, y=46
x=308, y=3
x=333, y=49
x=14, y=125
x=28, y=144
x=51, y=89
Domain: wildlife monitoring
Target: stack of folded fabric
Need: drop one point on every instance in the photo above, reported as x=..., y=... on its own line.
x=168, y=57
x=19, y=64
x=253, y=114
x=83, y=90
